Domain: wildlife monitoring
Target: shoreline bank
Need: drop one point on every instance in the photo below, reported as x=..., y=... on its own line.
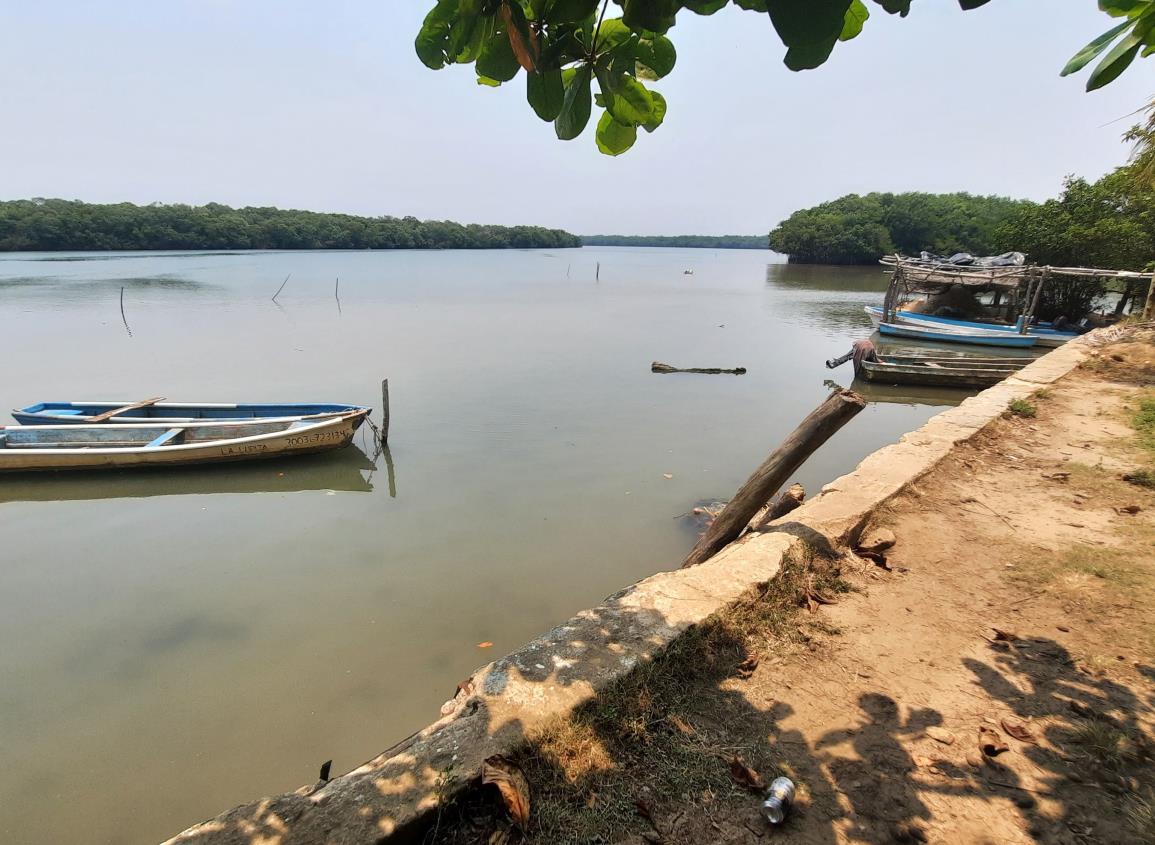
x=494, y=710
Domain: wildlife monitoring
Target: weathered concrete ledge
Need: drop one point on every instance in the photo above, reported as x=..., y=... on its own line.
x=390, y=795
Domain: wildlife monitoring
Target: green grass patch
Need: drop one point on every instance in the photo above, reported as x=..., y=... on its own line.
x=1022, y=408
x=1141, y=478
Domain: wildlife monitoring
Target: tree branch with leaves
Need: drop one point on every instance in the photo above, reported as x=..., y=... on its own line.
x=566, y=46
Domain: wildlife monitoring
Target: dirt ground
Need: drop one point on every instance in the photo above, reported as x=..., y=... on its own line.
x=1013, y=614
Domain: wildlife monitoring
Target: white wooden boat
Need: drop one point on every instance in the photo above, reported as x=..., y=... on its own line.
x=116, y=446
x=159, y=410
x=1043, y=335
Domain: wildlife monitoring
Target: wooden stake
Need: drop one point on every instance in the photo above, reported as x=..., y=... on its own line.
x=812, y=432
x=282, y=287
x=123, y=318
x=385, y=412
x=598, y=275
x=1149, y=308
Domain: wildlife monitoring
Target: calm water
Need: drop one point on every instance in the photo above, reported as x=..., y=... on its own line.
x=177, y=643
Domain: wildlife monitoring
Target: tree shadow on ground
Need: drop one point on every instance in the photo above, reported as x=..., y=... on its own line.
x=1091, y=757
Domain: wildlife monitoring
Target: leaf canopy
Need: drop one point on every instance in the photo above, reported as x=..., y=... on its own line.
x=563, y=45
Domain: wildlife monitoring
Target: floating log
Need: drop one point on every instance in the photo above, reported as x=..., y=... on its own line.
x=659, y=367
x=812, y=432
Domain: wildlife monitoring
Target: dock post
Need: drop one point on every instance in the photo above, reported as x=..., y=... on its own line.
x=385, y=412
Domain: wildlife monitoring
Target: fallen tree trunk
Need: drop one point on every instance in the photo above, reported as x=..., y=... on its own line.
x=812, y=432
x=659, y=367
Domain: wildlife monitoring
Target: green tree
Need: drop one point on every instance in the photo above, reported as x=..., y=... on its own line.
x=53, y=224
x=565, y=46
x=1109, y=224
x=861, y=229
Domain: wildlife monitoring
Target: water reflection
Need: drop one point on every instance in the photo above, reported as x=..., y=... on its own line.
x=346, y=470
x=823, y=277
x=899, y=394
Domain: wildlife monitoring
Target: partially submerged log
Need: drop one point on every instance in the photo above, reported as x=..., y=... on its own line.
x=659, y=367
x=789, y=499
x=812, y=432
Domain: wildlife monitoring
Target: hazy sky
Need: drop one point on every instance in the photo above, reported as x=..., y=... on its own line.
x=324, y=106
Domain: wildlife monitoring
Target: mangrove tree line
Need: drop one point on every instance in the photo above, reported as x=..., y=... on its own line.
x=54, y=224
x=861, y=229
x=695, y=241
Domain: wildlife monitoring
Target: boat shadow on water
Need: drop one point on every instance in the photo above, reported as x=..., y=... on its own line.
x=347, y=470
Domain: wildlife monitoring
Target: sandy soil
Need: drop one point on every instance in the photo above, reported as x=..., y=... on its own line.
x=1017, y=600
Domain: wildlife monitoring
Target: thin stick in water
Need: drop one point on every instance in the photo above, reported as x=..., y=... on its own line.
x=122, y=317
x=282, y=287
x=385, y=412
x=337, y=294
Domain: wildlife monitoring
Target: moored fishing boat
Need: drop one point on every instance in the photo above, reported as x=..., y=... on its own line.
x=1044, y=335
x=151, y=444
x=939, y=372
x=945, y=334
x=157, y=409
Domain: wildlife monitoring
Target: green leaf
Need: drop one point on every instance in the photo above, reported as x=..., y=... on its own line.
x=615, y=138
x=576, y=106
x=1115, y=62
x=658, y=114
x=808, y=22
x=967, y=5
x=1081, y=59
x=433, y=38
x=485, y=80
x=654, y=57
x=497, y=60
x=628, y=100
x=809, y=56
x=570, y=11
x=612, y=34
x=705, y=7
x=545, y=93
x=655, y=15
x=895, y=7
x=1123, y=8
x=856, y=16
x=751, y=5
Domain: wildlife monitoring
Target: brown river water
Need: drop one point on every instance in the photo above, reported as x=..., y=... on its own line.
x=177, y=642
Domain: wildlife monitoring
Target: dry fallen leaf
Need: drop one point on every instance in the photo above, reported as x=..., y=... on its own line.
x=667, y=475
x=746, y=667
x=1131, y=509
x=501, y=836
x=486, y=644
x=511, y=783
x=1018, y=730
x=746, y=777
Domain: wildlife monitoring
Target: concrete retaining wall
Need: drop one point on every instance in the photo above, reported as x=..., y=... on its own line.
x=390, y=795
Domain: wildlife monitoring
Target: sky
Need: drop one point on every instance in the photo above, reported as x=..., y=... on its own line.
x=325, y=106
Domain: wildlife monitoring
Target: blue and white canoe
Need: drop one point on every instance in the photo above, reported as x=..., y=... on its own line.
x=158, y=444
x=943, y=334
x=1046, y=336
x=158, y=410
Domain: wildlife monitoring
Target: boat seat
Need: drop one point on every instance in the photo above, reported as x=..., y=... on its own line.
x=165, y=439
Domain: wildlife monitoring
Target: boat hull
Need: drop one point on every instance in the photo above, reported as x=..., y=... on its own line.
x=928, y=375
x=976, y=338
x=81, y=413
x=1043, y=336
x=57, y=448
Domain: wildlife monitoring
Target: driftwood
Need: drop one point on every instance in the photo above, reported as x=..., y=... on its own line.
x=812, y=432
x=659, y=367
x=789, y=499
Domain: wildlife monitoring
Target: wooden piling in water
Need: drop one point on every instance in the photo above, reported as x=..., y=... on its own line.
x=385, y=412
x=838, y=409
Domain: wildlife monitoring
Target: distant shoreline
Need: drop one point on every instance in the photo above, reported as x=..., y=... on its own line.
x=683, y=241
